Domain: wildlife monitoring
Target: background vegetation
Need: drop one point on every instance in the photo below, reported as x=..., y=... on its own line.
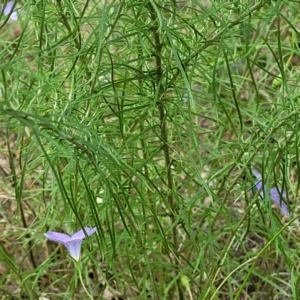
x=144, y=118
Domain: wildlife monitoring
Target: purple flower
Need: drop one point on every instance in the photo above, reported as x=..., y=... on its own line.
x=8, y=10
x=73, y=242
x=275, y=194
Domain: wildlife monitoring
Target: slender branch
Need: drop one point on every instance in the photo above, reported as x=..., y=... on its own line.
x=18, y=192
x=163, y=126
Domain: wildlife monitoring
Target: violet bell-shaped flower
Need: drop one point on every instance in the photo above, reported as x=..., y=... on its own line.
x=275, y=194
x=73, y=242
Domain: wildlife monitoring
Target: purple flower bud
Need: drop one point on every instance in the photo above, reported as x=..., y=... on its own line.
x=73, y=242
x=275, y=194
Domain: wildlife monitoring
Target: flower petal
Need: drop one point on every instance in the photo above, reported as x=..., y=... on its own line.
x=277, y=198
x=74, y=248
x=57, y=237
x=81, y=235
x=8, y=10
x=72, y=243
x=275, y=195
x=258, y=184
x=8, y=7
x=256, y=174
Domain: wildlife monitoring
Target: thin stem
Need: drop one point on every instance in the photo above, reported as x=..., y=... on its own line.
x=162, y=117
x=18, y=185
x=163, y=128
x=77, y=264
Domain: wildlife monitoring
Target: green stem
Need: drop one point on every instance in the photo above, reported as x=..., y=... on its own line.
x=77, y=264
